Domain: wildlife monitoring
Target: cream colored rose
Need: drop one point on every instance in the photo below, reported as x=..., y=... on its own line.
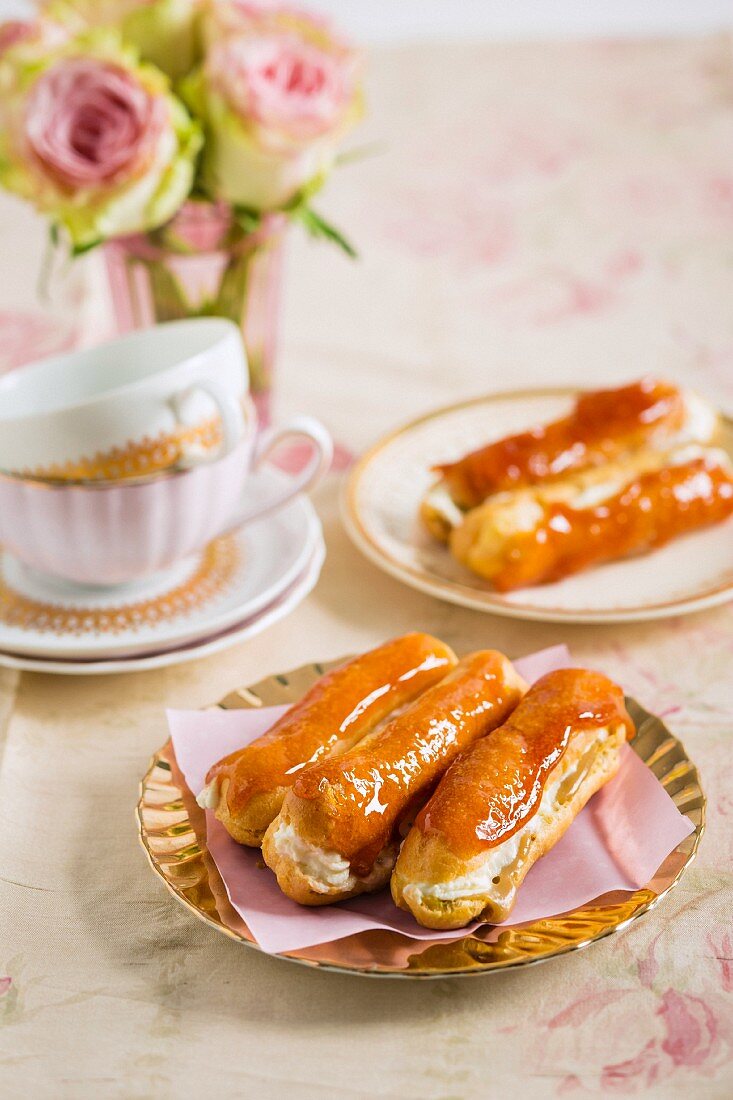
x=164, y=31
x=278, y=93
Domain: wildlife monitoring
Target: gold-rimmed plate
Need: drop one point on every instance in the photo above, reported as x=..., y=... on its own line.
x=172, y=830
x=382, y=499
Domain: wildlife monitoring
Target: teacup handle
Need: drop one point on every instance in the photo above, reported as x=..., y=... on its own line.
x=230, y=411
x=303, y=427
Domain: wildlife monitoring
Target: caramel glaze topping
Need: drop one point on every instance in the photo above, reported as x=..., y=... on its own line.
x=362, y=797
x=650, y=511
x=340, y=708
x=603, y=425
x=495, y=788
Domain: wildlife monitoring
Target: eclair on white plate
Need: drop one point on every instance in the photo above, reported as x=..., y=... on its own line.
x=604, y=426
x=546, y=532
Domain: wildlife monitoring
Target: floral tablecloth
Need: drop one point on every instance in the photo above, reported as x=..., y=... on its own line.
x=539, y=214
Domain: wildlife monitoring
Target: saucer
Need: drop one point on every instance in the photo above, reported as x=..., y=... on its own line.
x=382, y=500
x=203, y=647
x=231, y=580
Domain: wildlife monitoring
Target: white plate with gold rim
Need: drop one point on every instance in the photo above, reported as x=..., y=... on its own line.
x=383, y=494
x=283, y=606
x=234, y=578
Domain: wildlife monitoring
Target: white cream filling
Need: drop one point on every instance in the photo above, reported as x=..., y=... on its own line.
x=714, y=454
x=208, y=796
x=326, y=871
x=699, y=427
x=480, y=881
x=439, y=499
x=699, y=424
x=595, y=494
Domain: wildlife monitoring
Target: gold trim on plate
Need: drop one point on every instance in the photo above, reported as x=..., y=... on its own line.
x=172, y=830
x=478, y=595
x=216, y=567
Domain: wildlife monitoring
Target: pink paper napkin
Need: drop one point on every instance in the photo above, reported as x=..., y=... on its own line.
x=609, y=846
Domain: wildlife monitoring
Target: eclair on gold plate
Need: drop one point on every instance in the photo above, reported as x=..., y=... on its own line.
x=507, y=800
x=246, y=789
x=338, y=830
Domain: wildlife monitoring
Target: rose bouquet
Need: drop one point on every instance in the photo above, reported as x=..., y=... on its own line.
x=184, y=136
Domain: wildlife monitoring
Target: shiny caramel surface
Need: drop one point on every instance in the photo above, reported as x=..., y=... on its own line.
x=496, y=787
x=651, y=510
x=338, y=710
x=362, y=796
x=603, y=425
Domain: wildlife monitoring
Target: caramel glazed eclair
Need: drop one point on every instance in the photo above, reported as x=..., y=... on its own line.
x=509, y=799
x=246, y=789
x=338, y=830
x=540, y=534
x=604, y=426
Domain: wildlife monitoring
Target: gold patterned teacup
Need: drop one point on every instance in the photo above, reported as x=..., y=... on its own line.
x=108, y=533
x=168, y=396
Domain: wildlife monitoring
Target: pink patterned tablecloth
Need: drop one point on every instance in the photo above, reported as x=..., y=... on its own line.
x=541, y=213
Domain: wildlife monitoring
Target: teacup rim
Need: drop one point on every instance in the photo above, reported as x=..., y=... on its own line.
x=226, y=328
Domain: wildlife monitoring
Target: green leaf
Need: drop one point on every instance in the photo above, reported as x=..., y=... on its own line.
x=168, y=295
x=301, y=198
x=319, y=228
x=249, y=219
x=232, y=297
x=81, y=249
x=361, y=152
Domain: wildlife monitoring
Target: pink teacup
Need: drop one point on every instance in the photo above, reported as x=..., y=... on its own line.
x=109, y=533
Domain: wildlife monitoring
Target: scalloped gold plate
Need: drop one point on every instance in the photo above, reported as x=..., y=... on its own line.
x=173, y=834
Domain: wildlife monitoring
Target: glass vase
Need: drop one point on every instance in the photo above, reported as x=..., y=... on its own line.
x=204, y=264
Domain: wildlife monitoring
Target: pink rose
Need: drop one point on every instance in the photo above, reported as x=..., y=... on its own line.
x=20, y=40
x=96, y=140
x=279, y=90
x=691, y=1027
x=691, y=1041
x=13, y=32
x=640, y=1072
x=89, y=122
x=288, y=87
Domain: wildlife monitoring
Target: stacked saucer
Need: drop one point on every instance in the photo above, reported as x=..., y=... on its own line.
x=140, y=521
x=234, y=588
